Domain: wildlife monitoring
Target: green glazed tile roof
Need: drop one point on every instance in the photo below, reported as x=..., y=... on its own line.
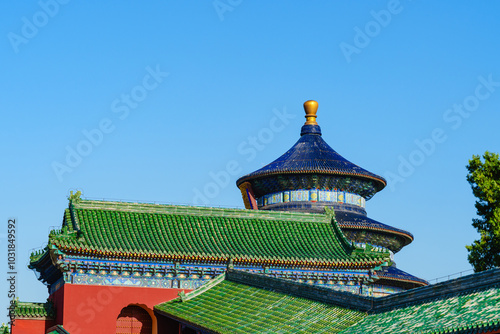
x=231, y=307
x=57, y=330
x=242, y=302
x=475, y=312
x=32, y=310
x=177, y=233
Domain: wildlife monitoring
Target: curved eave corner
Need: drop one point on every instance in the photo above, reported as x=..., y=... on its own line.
x=407, y=236
x=37, y=258
x=399, y=275
x=416, y=283
x=383, y=255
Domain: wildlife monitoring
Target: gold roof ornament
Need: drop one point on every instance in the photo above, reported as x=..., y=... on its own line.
x=311, y=108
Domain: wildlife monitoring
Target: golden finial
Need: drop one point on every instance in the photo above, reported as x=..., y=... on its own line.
x=311, y=108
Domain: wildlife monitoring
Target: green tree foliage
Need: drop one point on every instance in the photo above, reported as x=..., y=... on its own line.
x=484, y=178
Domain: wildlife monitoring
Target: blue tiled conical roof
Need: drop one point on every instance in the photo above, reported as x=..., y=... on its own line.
x=312, y=155
x=396, y=274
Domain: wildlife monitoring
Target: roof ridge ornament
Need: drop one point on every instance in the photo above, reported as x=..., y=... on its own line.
x=311, y=108
x=310, y=127
x=75, y=197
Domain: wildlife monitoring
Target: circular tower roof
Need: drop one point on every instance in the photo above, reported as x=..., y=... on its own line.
x=312, y=164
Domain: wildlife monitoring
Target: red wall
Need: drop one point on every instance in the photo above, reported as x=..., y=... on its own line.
x=94, y=309
x=31, y=326
x=58, y=300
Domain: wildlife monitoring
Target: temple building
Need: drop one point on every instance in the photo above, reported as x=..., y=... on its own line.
x=310, y=177
x=302, y=257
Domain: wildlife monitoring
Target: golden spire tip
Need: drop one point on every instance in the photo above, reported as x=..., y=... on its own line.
x=311, y=108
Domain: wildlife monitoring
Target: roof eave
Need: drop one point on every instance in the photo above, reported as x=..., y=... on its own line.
x=379, y=181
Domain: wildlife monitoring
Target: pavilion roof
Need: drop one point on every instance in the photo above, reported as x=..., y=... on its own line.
x=32, y=310
x=470, y=312
x=395, y=274
x=312, y=164
x=250, y=303
x=229, y=306
x=166, y=233
x=374, y=231
x=312, y=155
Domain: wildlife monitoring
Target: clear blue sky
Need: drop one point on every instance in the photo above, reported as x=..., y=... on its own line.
x=178, y=89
